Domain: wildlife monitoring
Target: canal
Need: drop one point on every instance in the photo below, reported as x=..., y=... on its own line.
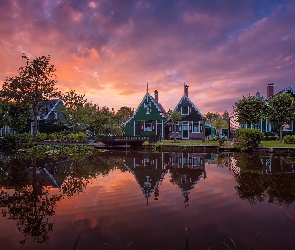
x=144, y=200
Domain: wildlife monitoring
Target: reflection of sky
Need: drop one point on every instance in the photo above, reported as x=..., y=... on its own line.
x=109, y=50
x=113, y=209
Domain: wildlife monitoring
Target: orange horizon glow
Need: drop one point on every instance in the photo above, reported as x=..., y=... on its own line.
x=109, y=51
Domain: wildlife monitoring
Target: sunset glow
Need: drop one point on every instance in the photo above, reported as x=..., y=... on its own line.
x=110, y=50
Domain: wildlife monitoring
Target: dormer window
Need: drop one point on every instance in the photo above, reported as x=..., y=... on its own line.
x=184, y=110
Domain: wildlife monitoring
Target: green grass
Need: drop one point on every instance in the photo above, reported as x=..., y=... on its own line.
x=276, y=144
x=183, y=143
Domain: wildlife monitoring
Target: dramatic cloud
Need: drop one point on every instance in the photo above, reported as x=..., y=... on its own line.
x=109, y=50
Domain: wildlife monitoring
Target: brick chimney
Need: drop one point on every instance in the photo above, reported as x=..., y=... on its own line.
x=269, y=90
x=186, y=89
x=156, y=96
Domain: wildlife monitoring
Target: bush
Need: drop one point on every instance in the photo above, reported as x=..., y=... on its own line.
x=289, y=139
x=78, y=137
x=25, y=138
x=271, y=138
x=41, y=136
x=248, y=138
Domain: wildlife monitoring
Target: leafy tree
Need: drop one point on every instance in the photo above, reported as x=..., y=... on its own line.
x=34, y=84
x=210, y=117
x=122, y=115
x=249, y=110
x=78, y=112
x=175, y=117
x=281, y=111
x=16, y=115
x=218, y=121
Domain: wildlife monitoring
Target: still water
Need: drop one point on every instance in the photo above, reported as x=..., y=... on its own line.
x=147, y=200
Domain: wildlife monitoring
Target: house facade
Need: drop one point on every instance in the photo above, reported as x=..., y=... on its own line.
x=148, y=119
x=265, y=126
x=192, y=124
x=48, y=120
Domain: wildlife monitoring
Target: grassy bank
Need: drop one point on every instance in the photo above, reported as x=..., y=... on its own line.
x=184, y=143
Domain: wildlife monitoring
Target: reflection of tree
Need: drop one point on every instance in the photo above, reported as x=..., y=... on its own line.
x=251, y=187
x=254, y=184
x=79, y=173
x=31, y=206
x=249, y=162
x=282, y=189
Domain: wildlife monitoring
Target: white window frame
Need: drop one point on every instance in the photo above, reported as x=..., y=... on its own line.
x=267, y=126
x=148, y=125
x=199, y=127
x=182, y=113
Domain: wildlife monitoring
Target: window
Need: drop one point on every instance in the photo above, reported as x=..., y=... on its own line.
x=184, y=110
x=196, y=127
x=256, y=126
x=268, y=126
x=287, y=127
x=148, y=107
x=148, y=126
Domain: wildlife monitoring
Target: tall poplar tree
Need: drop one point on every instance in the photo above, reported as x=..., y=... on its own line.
x=34, y=84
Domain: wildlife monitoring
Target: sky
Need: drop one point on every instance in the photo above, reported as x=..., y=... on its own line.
x=110, y=49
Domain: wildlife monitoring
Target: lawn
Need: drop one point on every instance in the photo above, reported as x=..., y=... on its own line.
x=183, y=143
x=276, y=144
x=187, y=143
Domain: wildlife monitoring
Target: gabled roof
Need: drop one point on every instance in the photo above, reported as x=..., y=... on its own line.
x=158, y=105
x=49, y=106
x=185, y=97
x=288, y=89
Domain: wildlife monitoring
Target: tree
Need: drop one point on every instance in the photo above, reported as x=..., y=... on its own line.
x=249, y=110
x=281, y=111
x=122, y=115
x=16, y=115
x=218, y=121
x=34, y=84
x=175, y=117
x=78, y=112
x=210, y=117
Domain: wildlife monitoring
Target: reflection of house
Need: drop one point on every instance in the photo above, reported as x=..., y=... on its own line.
x=267, y=127
x=149, y=171
x=186, y=170
x=148, y=119
x=192, y=124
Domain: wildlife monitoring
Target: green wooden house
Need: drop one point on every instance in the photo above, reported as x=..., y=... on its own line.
x=148, y=119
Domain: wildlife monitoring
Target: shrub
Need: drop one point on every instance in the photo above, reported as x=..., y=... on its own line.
x=78, y=137
x=25, y=138
x=289, y=139
x=248, y=138
x=41, y=136
x=271, y=138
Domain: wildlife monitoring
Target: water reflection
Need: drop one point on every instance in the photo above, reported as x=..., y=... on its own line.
x=261, y=177
x=26, y=184
x=30, y=204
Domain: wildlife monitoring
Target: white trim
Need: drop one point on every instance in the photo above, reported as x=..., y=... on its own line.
x=267, y=125
x=182, y=128
x=198, y=127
